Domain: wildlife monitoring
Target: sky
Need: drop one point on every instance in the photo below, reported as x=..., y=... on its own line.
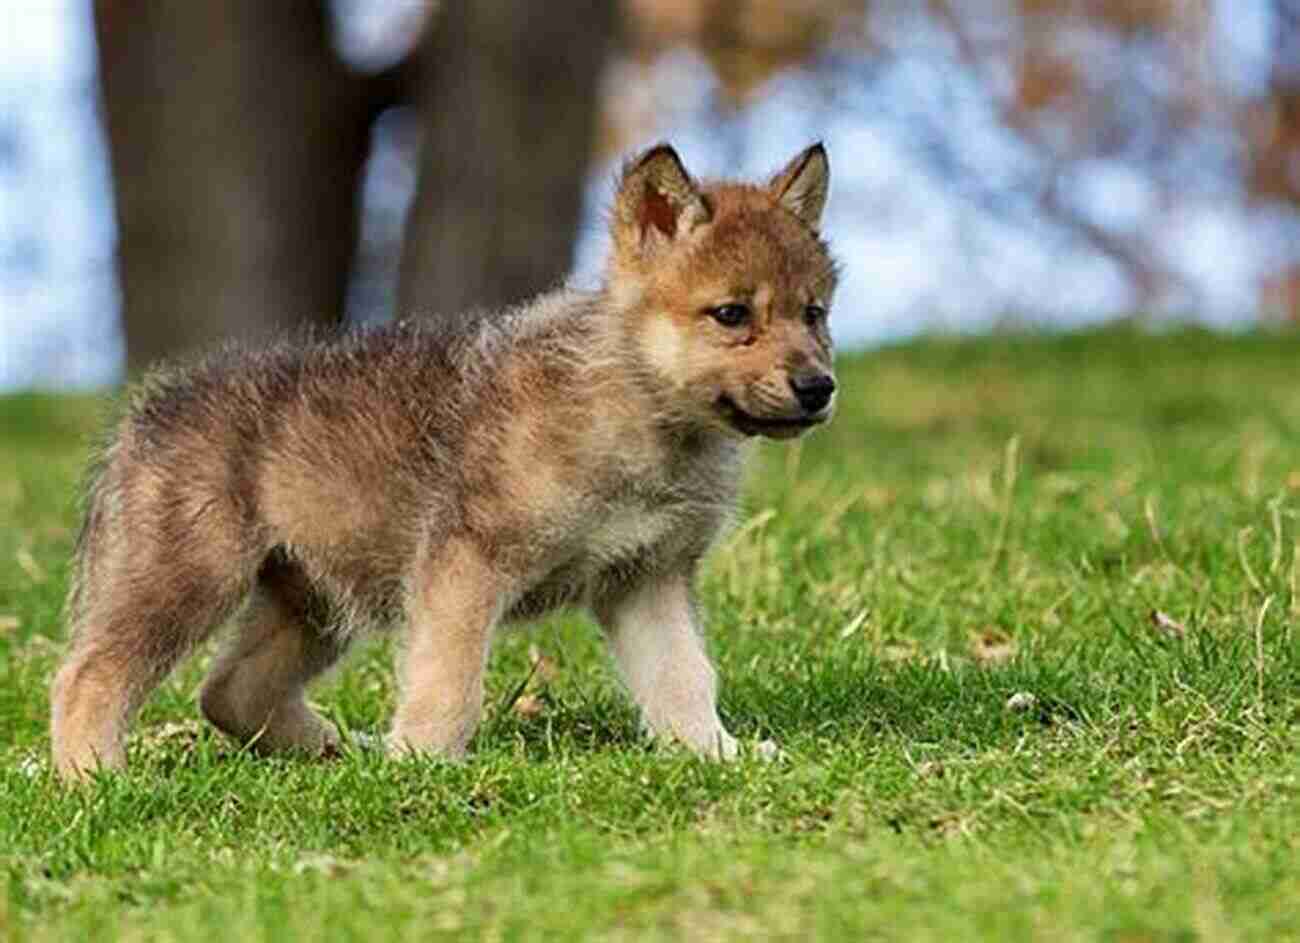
x=58, y=299
x=917, y=256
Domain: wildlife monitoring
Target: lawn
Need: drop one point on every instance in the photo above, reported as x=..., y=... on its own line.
x=1023, y=618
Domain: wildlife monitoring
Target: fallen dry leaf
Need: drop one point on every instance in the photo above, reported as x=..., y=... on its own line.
x=544, y=666
x=529, y=705
x=893, y=652
x=948, y=824
x=930, y=769
x=186, y=731
x=876, y=497
x=1167, y=625
x=1021, y=701
x=990, y=646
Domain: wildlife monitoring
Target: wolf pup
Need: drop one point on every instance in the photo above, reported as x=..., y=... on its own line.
x=584, y=448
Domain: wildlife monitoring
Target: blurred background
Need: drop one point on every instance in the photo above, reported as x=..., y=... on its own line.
x=172, y=174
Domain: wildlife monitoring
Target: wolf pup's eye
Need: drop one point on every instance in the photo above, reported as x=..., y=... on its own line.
x=814, y=314
x=730, y=315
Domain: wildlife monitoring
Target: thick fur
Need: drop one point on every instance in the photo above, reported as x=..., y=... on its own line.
x=452, y=476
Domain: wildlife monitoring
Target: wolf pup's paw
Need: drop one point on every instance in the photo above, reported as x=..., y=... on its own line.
x=729, y=749
x=399, y=748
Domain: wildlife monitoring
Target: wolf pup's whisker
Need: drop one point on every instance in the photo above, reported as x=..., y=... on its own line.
x=456, y=475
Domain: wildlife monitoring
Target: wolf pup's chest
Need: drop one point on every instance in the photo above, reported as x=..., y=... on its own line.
x=614, y=546
x=625, y=533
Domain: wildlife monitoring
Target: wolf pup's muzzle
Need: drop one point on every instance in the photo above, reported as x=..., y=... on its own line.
x=813, y=391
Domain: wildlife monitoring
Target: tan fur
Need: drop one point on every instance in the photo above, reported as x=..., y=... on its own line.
x=455, y=476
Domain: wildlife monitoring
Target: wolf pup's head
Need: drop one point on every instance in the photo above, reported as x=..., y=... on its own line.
x=732, y=286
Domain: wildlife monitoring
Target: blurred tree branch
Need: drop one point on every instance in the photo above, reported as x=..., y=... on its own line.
x=1150, y=278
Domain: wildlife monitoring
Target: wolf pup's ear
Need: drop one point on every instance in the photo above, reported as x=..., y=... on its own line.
x=801, y=187
x=657, y=200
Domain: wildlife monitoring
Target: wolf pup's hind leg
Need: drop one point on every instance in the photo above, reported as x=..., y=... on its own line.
x=126, y=640
x=256, y=689
x=161, y=563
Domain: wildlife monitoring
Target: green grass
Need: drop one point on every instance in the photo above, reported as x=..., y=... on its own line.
x=984, y=519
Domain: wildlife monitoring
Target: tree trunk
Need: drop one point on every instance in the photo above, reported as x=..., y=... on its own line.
x=236, y=139
x=508, y=103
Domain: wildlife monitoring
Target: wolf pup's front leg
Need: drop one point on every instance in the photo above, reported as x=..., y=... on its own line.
x=454, y=602
x=652, y=632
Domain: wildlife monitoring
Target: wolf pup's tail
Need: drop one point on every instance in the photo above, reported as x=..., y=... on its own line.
x=95, y=506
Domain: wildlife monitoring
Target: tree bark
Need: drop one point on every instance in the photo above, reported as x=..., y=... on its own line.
x=508, y=103
x=236, y=139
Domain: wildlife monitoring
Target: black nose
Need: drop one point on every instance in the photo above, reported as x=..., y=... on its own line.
x=813, y=391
